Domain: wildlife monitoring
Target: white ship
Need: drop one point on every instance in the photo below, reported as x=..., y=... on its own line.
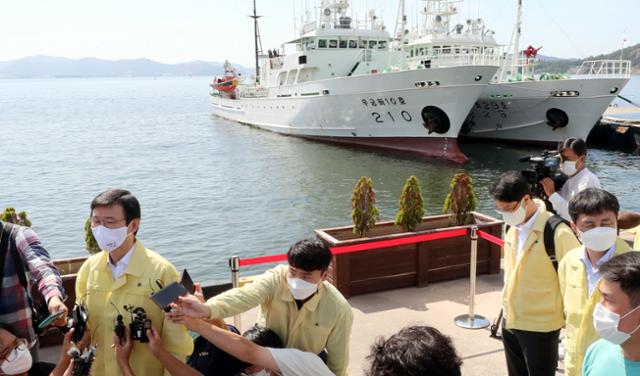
x=518, y=105
x=344, y=84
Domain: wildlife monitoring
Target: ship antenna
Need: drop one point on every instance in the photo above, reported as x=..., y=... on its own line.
x=257, y=41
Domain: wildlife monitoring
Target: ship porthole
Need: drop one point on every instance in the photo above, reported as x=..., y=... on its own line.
x=556, y=118
x=613, y=90
x=478, y=78
x=435, y=120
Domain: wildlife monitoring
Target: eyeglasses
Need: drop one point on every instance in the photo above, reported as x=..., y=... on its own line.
x=109, y=222
x=7, y=354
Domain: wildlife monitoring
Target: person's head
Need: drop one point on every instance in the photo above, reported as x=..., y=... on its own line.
x=594, y=213
x=15, y=358
x=617, y=316
x=309, y=261
x=264, y=337
x=573, y=152
x=413, y=351
x=512, y=196
x=115, y=219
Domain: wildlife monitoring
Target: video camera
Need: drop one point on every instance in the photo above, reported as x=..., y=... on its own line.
x=545, y=165
x=82, y=361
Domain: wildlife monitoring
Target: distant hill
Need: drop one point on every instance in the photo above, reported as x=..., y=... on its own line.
x=49, y=66
x=571, y=65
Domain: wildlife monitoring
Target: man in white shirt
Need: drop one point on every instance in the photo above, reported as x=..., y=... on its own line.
x=574, y=155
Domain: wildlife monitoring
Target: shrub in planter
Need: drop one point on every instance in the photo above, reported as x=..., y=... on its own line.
x=90, y=243
x=461, y=200
x=20, y=218
x=411, y=208
x=363, y=203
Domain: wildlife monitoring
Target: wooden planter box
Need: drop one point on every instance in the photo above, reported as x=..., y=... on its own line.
x=412, y=264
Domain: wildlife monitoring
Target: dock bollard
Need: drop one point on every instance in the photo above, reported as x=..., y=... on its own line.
x=471, y=320
x=234, y=264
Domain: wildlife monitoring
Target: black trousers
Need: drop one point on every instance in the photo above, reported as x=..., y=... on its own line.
x=530, y=353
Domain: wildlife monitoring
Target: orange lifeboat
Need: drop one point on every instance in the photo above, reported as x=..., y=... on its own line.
x=228, y=82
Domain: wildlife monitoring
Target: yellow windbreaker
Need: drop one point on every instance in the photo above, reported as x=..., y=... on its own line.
x=531, y=295
x=578, y=307
x=636, y=243
x=96, y=288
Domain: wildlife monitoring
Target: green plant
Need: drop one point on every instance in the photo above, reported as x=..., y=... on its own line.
x=90, y=243
x=411, y=208
x=20, y=218
x=363, y=203
x=461, y=200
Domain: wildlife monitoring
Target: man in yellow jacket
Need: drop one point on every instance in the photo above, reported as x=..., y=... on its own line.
x=594, y=213
x=295, y=301
x=125, y=274
x=531, y=298
x=636, y=243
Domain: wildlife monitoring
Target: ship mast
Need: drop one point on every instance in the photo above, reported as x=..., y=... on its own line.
x=515, y=43
x=257, y=41
x=401, y=25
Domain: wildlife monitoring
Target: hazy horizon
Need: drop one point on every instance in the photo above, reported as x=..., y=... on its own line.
x=170, y=32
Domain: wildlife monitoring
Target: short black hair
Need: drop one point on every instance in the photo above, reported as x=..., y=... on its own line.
x=576, y=144
x=309, y=255
x=511, y=186
x=625, y=270
x=413, y=351
x=264, y=337
x=592, y=201
x=124, y=198
x=8, y=328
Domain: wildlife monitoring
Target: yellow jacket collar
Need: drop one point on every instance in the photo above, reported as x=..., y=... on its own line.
x=136, y=264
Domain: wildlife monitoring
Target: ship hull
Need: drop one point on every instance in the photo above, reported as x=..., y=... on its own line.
x=379, y=110
x=518, y=112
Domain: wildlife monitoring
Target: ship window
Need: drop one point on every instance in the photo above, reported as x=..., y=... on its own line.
x=411, y=52
x=343, y=44
x=372, y=43
x=446, y=49
x=382, y=44
x=322, y=43
x=353, y=44
x=363, y=43
x=333, y=43
x=421, y=52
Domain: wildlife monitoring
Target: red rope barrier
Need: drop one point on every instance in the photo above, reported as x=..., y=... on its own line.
x=363, y=246
x=493, y=239
x=396, y=242
x=263, y=260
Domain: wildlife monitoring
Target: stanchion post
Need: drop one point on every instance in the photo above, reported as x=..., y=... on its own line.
x=234, y=264
x=471, y=320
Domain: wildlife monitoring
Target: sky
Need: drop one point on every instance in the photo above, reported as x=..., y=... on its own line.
x=172, y=31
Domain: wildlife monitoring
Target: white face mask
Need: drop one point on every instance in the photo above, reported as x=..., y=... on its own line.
x=568, y=168
x=606, y=324
x=18, y=361
x=109, y=239
x=301, y=289
x=599, y=239
x=515, y=217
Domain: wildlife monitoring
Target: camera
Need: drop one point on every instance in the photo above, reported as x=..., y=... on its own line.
x=82, y=361
x=119, y=328
x=139, y=323
x=545, y=165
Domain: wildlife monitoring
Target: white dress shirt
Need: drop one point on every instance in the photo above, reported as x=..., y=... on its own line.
x=578, y=182
x=593, y=271
x=294, y=362
x=118, y=269
x=523, y=232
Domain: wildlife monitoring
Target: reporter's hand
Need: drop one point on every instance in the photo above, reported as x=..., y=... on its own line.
x=189, y=306
x=198, y=293
x=85, y=341
x=155, y=341
x=67, y=342
x=69, y=370
x=56, y=305
x=549, y=186
x=123, y=350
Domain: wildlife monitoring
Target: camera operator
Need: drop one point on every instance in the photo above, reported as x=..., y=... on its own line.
x=573, y=152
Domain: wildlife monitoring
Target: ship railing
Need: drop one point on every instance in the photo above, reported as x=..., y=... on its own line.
x=605, y=69
x=460, y=59
x=251, y=91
